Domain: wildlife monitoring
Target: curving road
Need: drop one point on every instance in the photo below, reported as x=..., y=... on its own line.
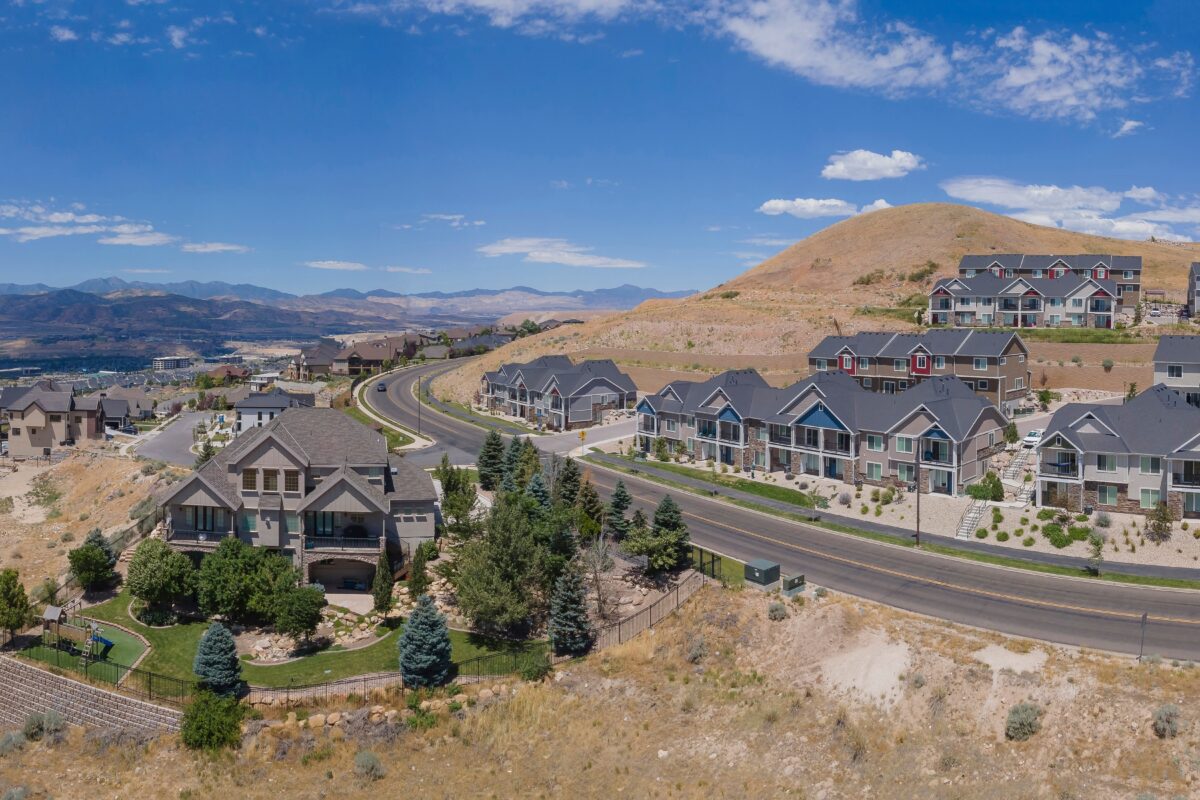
x=1081, y=612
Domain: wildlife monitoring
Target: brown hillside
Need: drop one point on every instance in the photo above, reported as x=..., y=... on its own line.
x=772, y=315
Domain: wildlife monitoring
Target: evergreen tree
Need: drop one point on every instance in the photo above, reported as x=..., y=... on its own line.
x=556, y=543
x=418, y=575
x=89, y=566
x=217, y=663
x=512, y=460
x=639, y=519
x=158, y=575
x=665, y=545
x=569, y=627
x=298, y=612
x=529, y=463
x=566, y=486
x=508, y=483
x=591, y=510
x=538, y=491
x=96, y=537
x=381, y=586
x=491, y=461
x=425, y=647
x=498, y=572
x=207, y=451
x=15, y=610
x=618, y=504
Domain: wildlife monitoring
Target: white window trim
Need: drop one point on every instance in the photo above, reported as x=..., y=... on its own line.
x=876, y=437
x=899, y=365
x=1142, y=464
x=975, y=364
x=905, y=439
x=1107, y=455
x=1142, y=498
x=876, y=465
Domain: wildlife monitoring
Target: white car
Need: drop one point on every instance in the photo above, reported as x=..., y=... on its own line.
x=1154, y=312
x=1032, y=438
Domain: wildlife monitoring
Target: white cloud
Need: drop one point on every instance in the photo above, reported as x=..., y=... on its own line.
x=1147, y=195
x=555, y=251
x=809, y=208
x=61, y=34
x=338, y=266
x=540, y=17
x=409, y=270
x=137, y=236
x=1010, y=194
x=560, y=184
x=1128, y=128
x=634, y=53
x=31, y=233
x=767, y=241
x=453, y=220
x=213, y=247
x=865, y=165
x=178, y=36
x=878, y=205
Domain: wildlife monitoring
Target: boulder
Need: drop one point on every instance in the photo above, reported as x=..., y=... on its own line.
x=334, y=718
x=485, y=695
x=316, y=721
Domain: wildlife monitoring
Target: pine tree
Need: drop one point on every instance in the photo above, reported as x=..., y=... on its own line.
x=618, y=504
x=381, y=587
x=529, y=464
x=512, y=459
x=569, y=627
x=638, y=520
x=425, y=647
x=216, y=663
x=566, y=486
x=96, y=536
x=15, y=609
x=207, y=451
x=538, y=491
x=591, y=510
x=418, y=576
x=665, y=545
x=491, y=461
x=508, y=483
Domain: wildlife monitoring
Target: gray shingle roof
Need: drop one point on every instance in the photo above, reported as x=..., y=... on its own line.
x=989, y=285
x=571, y=378
x=1019, y=261
x=1157, y=423
x=942, y=342
x=1177, y=350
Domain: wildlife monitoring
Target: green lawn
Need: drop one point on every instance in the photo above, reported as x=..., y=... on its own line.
x=171, y=649
x=395, y=437
x=770, y=491
x=125, y=650
x=1076, y=335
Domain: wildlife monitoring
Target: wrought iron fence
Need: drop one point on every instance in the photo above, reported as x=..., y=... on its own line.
x=132, y=680
x=625, y=629
x=708, y=563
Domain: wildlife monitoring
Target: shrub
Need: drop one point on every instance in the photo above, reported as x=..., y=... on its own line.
x=844, y=499
x=1079, y=533
x=696, y=650
x=1024, y=720
x=430, y=549
x=997, y=517
x=988, y=487
x=821, y=592
x=1027, y=541
x=875, y=495
x=15, y=793
x=1002, y=536
x=368, y=766
x=917, y=681
x=1107, y=364
x=13, y=740
x=535, y=670
x=34, y=727
x=1046, y=514
x=864, y=510
x=1054, y=533
x=981, y=533
x=1103, y=520
x=211, y=722
x=1166, y=721
x=777, y=611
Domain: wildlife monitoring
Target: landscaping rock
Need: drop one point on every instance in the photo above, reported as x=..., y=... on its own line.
x=316, y=721
x=334, y=718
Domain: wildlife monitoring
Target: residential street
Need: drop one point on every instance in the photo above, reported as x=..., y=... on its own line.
x=173, y=443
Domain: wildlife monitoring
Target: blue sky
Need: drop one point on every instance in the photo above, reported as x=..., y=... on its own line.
x=445, y=144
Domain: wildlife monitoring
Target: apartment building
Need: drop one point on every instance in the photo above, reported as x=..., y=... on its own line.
x=988, y=301
x=1126, y=458
x=992, y=363
x=828, y=425
x=556, y=393
x=163, y=363
x=1124, y=271
x=1177, y=366
x=1193, y=290
x=313, y=485
x=49, y=415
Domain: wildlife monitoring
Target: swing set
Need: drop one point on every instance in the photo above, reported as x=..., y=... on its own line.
x=72, y=633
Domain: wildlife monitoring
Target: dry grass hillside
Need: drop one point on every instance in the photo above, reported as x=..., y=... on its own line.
x=865, y=273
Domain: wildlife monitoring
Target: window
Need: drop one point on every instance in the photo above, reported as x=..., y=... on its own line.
x=1018, y=383
x=1127, y=274
x=270, y=480
x=874, y=442
x=1020, y=359
x=819, y=364
x=318, y=523
x=847, y=362
x=357, y=519
x=1106, y=494
x=204, y=518
x=1106, y=462
x=1037, y=273
x=874, y=471
x=864, y=363
x=16, y=431
x=979, y=364
x=922, y=362
x=1174, y=370
x=249, y=522
x=981, y=385
x=760, y=434
x=1149, y=498
x=906, y=472
x=56, y=417
x=760, y=458
x=1076, y=302
x=866, y=383
x=672, y=425
x=991, y=438
x=898, y=364
x=1003, y=360
x=249, y=480
x=903, y=385
x=970, y=384
x=291, y=480
x=904, y=444
x=939, y=362
x=1151, y=465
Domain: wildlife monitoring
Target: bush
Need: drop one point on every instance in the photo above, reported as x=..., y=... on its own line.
x=988, y=487
x=368, y=766
x=1027, y=541
x=1002, y=536
x=535, y=670
x=696, y=650
x=1054, y=533
x=1166, y=721
x=1103, y=520
x=844, y=499
x=777, y=611
x=820, y=592
x=1079, y=533
x=211, y=722
x=1024, y=720
x=981, y=533
x=34, y=727
x=918, y=681
x=13, y=740
x=1107, y=364
x=1047, y=514
x=430, y=549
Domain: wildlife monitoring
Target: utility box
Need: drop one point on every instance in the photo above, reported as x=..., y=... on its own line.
x=762, y=573
x=792, y=585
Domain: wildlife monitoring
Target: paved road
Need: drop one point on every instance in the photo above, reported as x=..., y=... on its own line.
x=1070, y=611
x=173, y=443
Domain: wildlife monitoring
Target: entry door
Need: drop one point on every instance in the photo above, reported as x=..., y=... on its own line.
x=889, y=387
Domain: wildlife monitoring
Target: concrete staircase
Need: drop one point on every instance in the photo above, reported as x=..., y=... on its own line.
x=970, y=519
x=25, y=689
x=1015, y=467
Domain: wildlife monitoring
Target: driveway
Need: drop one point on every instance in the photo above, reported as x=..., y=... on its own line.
x=173, y=443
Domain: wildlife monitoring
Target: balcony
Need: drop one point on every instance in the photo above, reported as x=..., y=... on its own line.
x=1187, y=479
x=1100, y=307
x=730, y=432
x=936, y=451
x=837, y=443
x=647, y=424
x=706, y=430
x=175, y=534
x=1059, y=469
x=940, y=305
x=341, y=543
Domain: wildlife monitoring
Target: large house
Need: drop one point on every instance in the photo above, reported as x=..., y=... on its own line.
x=994, y=364
x=990, y=301
x=556, y=393
x=1126, y=458
x=314, y=485
x=366, y=358
x=1124, y=271
x=313, y=362
x=48, y=415
x=1177, y=366
x=1193, y=290
x=260, y=408
x=828, y=425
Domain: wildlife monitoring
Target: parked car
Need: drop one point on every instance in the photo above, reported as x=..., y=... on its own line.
x=1155, y=312
x=381, y=387
x=129, y=430
x=1032, y=438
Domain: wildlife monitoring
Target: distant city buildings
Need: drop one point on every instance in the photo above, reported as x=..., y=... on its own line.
x=164, y=363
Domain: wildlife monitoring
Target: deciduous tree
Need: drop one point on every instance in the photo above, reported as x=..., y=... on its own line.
x=15, y=609
x=90, y=567
x=158, y=575
x=298, y=612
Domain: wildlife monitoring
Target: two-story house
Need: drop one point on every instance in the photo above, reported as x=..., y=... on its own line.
x=1067, y=301
x=1124, y=271
x=556, y=393
x=992, y=363
x=259, y=408
x=1126, y=458
x=1177, y=366
x=314, y=485
x=369, y=357
x=49, y=415
x=313, y=362
x=828, y=425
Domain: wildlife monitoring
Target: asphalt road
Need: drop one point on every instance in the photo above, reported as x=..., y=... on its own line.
x=173, y=443
x=1081, y=612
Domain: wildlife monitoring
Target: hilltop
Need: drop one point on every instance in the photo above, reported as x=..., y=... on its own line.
x=868, y=272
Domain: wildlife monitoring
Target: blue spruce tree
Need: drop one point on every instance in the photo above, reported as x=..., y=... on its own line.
x=425, y=647
x=570, y=630
x=538, y=491
x=217, y=663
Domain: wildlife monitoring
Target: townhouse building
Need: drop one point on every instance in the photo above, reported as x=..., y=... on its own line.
x=556, y=393
x=1124, y=271
x=1177, y=366
x=1126, y=458
x=313, y=485
x=992, y=363
x=988, y=301
x=938, y=435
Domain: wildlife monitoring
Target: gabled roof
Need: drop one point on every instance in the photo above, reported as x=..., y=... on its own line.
x=1177, y=350
x=275, y=399
x=346, y=476
x=988, y=285
x=940, y=342
x=1020, y=262
x=1157, y=422
x=538, y=375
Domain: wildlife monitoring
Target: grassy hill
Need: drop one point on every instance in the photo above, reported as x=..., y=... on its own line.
x=865, y=273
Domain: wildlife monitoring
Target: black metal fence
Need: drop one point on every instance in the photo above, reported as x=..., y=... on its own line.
x=708, y=563
x=629, y=627
x=132, y=680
